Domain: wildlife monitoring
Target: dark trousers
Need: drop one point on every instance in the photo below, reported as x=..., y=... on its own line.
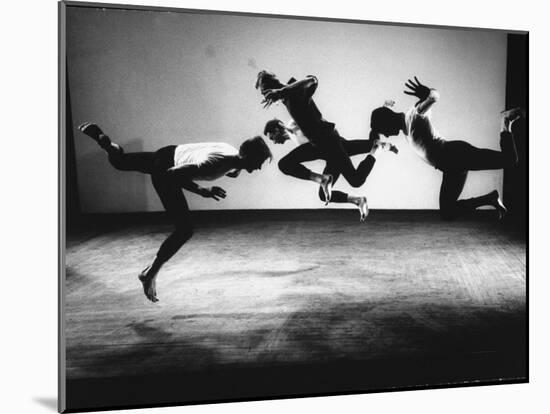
x=338, y=163
x=459, y=157
x=155, y=164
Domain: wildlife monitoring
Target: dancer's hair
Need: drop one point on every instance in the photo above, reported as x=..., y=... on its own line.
x=269, y=79
x=255, y=148
x=380, y=117
x=272, y=125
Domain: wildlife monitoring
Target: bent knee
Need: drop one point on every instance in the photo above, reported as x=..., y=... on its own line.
x=116, y=159
x=284, y=165
x=356, y=183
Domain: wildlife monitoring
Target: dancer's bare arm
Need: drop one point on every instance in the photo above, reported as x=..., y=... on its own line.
x=308, y=85
x=183, y=176
x=426, y=96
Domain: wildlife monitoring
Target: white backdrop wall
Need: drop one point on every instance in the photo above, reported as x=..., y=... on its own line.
x=152, y=79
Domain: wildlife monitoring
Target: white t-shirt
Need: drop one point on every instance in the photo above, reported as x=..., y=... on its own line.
x=205, y=155
x=422, y=136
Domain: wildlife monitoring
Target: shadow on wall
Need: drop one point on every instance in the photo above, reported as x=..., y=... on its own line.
x=98, y=169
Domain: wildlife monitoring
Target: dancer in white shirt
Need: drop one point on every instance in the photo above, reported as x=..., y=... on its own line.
x=453, y=158
x=173, y=168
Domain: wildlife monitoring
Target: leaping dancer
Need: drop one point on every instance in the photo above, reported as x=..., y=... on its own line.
x=322, y=134
x=175, y=167
x=453, y=158
x=290, y=164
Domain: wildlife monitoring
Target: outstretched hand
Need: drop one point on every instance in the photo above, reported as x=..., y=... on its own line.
x=272, y=96
x=214, y=192
x=417, y=89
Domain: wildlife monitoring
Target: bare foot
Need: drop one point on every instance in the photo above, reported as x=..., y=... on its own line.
x=92, y=130
x=511, y=115
x=363, y=209
x=326, y=186
x=149, y=284
x=499, y=206
x=95, y=132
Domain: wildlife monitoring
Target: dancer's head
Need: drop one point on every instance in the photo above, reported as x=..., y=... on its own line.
x=267, y=80
x=385, y=121
x=276, y=131
x=253, y=153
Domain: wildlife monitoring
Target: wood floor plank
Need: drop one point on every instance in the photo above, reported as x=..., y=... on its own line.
x=285, y=291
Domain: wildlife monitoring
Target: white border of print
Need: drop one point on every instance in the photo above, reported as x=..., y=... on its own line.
x=29, y=207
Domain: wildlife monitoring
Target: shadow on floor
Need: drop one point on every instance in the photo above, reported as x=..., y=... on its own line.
x=323, y=349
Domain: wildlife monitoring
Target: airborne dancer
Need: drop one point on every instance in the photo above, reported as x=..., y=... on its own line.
x=279, y=133
x=453, y=158
x=297, y=97
x=175, y=167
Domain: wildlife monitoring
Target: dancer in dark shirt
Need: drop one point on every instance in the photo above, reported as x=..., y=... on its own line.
x=297, y=98
x=291, y=164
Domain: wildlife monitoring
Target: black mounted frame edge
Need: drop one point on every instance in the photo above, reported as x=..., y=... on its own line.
x=61, y=213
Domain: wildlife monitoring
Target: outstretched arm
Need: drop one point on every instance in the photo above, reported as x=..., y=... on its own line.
x=308, y=85
x=183, y=176
x=426, y=96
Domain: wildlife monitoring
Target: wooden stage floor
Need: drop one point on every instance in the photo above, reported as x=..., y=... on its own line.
x=278, y=304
